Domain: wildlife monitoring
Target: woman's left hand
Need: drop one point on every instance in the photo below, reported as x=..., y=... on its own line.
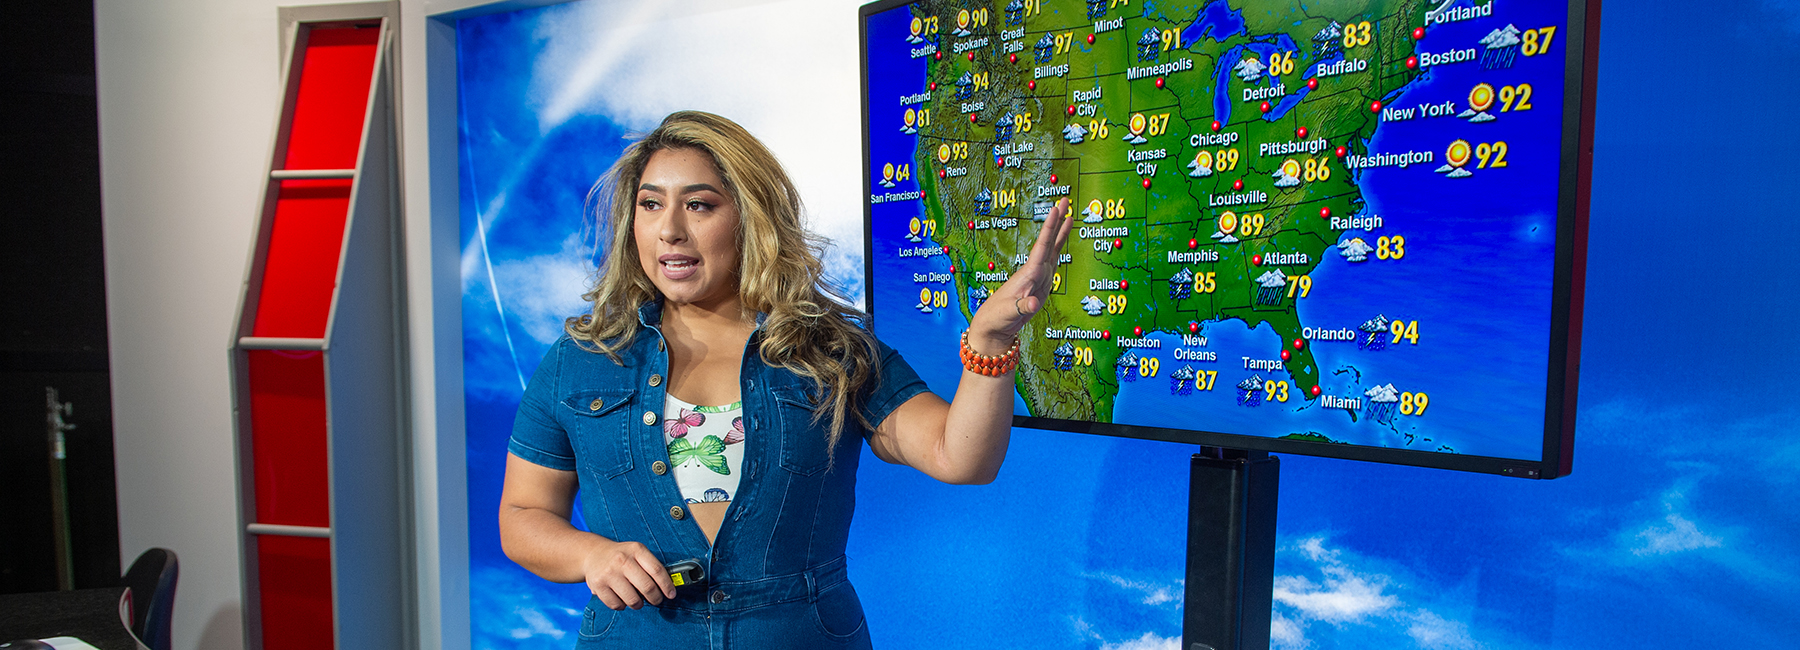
x=1011, y=306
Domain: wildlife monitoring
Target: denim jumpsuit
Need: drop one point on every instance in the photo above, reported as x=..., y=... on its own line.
x=775, y=576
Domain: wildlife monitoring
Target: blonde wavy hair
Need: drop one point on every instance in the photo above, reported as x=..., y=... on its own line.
x=809, y=330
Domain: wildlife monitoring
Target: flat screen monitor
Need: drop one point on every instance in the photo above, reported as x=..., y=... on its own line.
x=1352, y=229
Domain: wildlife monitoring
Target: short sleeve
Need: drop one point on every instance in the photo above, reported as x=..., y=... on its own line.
x=898, y=382
x=536, y=436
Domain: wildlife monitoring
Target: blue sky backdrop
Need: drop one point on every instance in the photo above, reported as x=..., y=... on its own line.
x=1677, y=528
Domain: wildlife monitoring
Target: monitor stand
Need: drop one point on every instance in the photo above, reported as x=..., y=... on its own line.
x=1230, y=550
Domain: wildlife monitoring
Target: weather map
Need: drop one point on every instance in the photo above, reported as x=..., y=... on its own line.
x=1327, y=221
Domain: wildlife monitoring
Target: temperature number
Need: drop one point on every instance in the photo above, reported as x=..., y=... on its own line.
x=1301, y=284
x=1204, y=379
x=1515, y=98
x=1414, y=403
x=1252, y=225
x=1148, y=366
x=1114, y=209
x=1356, y=34
x=1157, y=124
x=1407, y=330
x=1491, y=155
x=1226, y=160
x=1171, y=39
x=1021, y=121
x=1316, y=170
x=1537, y=41
x=1115, y=304
x=924, y=117
x=1390, y=248
x=959, y=150
x=1281, y=63
x=1276, y=391
x=1206, y=282
x=1084, y=356
x=1062, y=42
x=1055, y=282
x=1097, y=128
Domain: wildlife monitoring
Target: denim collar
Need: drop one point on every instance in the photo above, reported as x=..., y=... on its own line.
x=650, y=314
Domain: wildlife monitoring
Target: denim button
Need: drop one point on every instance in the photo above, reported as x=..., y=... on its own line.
x=596, y=404
x=655, y=380
x=752, y=384
x=659, y=345
x=659, y=467
x=677, y=513
x=717, y=597
x=649, y=418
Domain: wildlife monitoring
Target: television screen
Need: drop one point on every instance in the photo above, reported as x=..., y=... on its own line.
x=1338, y=228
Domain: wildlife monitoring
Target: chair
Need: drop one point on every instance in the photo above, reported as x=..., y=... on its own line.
x=152, y=583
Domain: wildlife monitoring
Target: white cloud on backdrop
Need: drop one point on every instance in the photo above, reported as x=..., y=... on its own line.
x=787, y=71
x=1362, y=603
x=545, y=289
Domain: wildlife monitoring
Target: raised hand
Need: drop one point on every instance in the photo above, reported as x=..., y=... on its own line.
x=1014, y=303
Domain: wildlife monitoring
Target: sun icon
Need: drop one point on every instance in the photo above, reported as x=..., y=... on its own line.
x=913, y=226
x=944, y=153
x=911, y=117
x=962, y=19
x=1290, y=167
x=1137, y=123
x=1228, y=222
x=1458, y=153
x=917, y=26
x=1481, y=97
x=1203, y=159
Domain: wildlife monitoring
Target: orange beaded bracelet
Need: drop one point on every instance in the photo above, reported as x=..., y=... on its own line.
x=994, y=366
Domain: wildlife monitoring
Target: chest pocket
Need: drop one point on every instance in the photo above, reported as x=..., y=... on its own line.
x=600, y=429
x=802, y=440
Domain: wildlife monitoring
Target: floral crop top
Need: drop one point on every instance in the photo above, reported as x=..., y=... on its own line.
x=706, y=449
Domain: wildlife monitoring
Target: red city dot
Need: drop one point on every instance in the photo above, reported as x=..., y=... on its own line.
x=1012, y=58
x=999, y=161
x=1237, y=185
x=1375, y=106
x=952, y=268
x=971, y=118
x=971, y=225
x=1315, y=391
x=937, y=56
x=941, y=173
x=1193, y=327
x=1325, y=213
x=1412, y=62
x=990, y=266
x=1284, y=355
x=971, y=55
x=1216, y=126
x=1418, y=33
x=1312, y=84
x=1159, y=82
x=1118, y=243
x=933, y=85
x=1266, y=107
x=1071, y=110
x=1193, y=244
x=1053, y=179
x=1105, y=334
x=1299, y=344
x=1124, y=284
x=1301, y=133
x=946, y=250
x=1137, y=331
x=1090, y=39
x=1031, y=84
x=1256, y=260
x=1342, y=150
x=1146, y=183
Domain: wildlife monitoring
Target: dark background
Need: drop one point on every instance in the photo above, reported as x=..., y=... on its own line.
x=52, y=297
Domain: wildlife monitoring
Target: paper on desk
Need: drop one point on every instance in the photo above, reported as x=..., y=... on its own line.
x=68, y=643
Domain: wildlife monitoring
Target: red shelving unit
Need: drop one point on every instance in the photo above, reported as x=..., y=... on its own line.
x=316, y=357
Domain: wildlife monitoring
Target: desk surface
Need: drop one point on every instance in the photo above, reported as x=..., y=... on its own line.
x=91, y=615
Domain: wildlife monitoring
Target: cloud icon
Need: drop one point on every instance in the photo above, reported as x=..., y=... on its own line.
x=1377, y=324
x=1330, y=34
x=1507, y=36
x=1383, y=394
x=1074, y=133
x=1093, y=305
x=1224, y=238
x=1284, y=179
x=1250, y=69
x=1197, y=170
x=1134, y=138
x=1481, y=117
x=1354, y=249
x=1255, y=382
x=1088, y=215
x=1271, y=280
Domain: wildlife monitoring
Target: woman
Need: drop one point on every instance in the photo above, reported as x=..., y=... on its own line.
x=713, y=406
